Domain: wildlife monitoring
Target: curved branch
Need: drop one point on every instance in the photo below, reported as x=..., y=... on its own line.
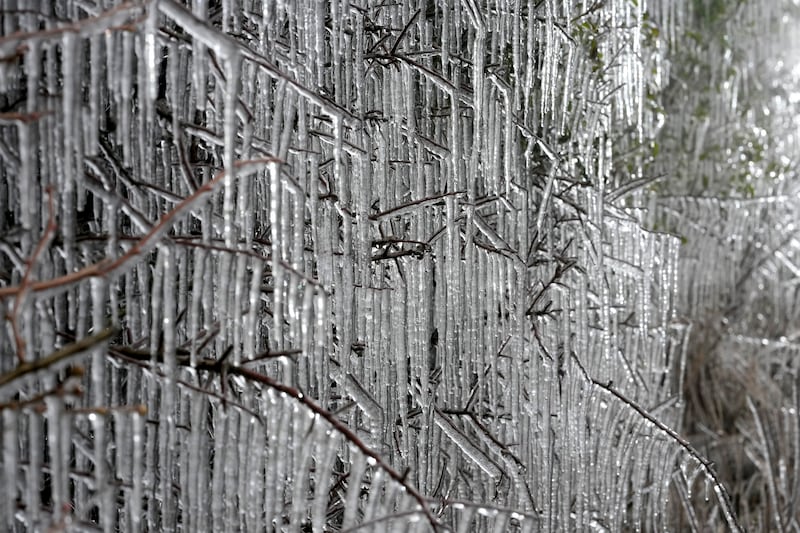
x=345, y=431
x=705, y=465
x=59, y=356
x=145, y=244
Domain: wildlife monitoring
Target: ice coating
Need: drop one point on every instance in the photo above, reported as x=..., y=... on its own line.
x=362, y=261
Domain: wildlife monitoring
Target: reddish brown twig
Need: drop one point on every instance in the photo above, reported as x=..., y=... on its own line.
x=57, y=358
x=13, y=44
x=43, y=243
x=146, y=243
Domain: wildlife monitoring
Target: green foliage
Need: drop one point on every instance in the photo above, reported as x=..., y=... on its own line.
x=650, y=31
x=588, y=33
x=715, y=114
x=709, y=14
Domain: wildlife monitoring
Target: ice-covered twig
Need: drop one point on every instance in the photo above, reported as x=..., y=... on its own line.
x=43, y=243
x=57, y=358
x=146, y=243
x=705, y=465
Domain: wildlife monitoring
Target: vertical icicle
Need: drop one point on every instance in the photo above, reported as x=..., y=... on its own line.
x=254, y=307
x=10, y=462
x=124, y=106
x=218, y=474
x=29, y=211
x=351, y=507
x=279, y=441
x=92, y=124
x=307, y=335
x=167, y=407
x=199, y=84
x=35, y=462
x=238, y=321
x=302, y=465
x=233, y=69
x=278, y=274
x=198, y=478
x=100, y=397
x=327, y=445
x=58, y=440
x=137, y=435
x=196, y=306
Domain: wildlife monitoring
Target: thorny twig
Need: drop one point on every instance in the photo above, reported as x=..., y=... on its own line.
x=225, y=45
x=146, y=359
x=414, y=205
x=15, y=43
x=597, y=5
x=564, y=265
x=403, y=32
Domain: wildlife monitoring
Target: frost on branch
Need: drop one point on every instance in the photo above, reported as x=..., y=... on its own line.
x=312, y=266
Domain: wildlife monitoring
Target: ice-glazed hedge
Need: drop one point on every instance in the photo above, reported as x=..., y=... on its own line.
x=339, y=265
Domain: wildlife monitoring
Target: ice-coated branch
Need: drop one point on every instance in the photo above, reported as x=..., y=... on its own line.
x=56, y=360
x=145, y=243
x=708, y=469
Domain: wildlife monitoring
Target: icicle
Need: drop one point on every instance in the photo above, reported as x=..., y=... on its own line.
x=327, y=446
x=10, y=462
x=233, y=74
x=251, y=320
x=376, y=488
x=278, y=274
x=280, y=440
x=220, y=443
x=124, y=106
x=92, y=124
x=351, y=509
x=137, y=467
x=239, y=287
x=306, y=335
x=197, y=449
x=197, y=305
x=167, y=409
x=58, y=439
x=302, y=465
x=100, y=397
x=28, y=158
x=566, y=96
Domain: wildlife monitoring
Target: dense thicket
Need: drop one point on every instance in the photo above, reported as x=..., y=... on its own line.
x=481, y=265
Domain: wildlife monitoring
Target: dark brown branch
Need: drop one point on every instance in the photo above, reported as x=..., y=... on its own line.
x=719, y=489
x=345, y=431
x=69, y=387
x=399, y=39
x=424, y=202
x=58, y=357
x=43, y=243
x=221, y=367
